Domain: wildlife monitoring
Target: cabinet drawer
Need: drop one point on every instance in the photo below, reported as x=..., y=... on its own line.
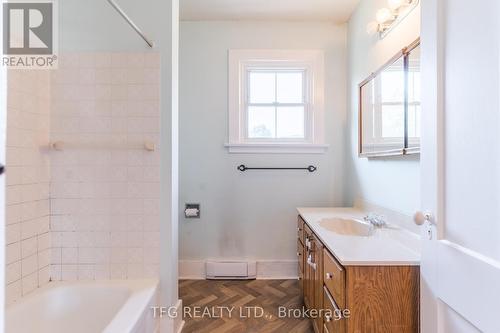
x=332, y=323
x=300, y=229
x=334, y=278
x=300, y=255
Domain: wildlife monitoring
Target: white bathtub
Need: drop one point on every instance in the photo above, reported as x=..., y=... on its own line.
x=120, y=306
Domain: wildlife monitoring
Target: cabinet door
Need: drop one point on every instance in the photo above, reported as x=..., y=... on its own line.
x=300, y=229
x=300, y=259
x=313, y=276
x=308, y=271
x=318, y=281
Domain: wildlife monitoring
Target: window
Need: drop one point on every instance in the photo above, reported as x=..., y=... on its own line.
x=390, y=99
x=275, y=101
x=389, y=109
x=414, y=97
x=276, y=104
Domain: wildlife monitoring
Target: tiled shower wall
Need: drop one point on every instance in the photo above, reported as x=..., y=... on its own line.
x=27, y=176
x=104, y=186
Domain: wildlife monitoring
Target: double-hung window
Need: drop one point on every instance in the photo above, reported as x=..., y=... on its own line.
x=276, y=104
x=276, y=101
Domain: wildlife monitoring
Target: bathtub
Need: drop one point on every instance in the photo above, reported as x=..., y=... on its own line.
x=120, y=306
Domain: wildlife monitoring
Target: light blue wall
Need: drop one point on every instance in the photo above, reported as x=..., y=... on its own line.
x=93, y=25
x=252, y=214
x=392, y=183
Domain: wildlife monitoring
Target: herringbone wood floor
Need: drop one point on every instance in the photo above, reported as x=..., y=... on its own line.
x=267, y=294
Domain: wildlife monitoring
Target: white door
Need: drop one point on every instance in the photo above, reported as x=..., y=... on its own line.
x=461, y=166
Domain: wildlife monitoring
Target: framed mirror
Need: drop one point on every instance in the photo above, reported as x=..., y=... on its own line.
x=414, y=100
x=389, y=107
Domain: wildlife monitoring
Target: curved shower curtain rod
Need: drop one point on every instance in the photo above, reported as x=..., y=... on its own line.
x=130, y=22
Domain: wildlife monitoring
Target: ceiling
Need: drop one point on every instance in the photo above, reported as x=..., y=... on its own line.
x=337, y=11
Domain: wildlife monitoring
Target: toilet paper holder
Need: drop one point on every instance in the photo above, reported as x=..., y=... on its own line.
x=192, y=211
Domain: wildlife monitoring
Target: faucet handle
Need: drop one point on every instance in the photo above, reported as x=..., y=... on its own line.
x=370, y=217
x=375, y=219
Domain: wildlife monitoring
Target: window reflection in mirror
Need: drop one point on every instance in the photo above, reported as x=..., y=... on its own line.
x=390, y=107
x=383, y=99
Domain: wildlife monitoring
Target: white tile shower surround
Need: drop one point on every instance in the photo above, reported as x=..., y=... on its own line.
x=105, y=202
x=100, y=205
x=27, y=176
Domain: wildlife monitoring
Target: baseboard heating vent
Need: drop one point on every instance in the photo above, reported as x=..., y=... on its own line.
x=228, y=270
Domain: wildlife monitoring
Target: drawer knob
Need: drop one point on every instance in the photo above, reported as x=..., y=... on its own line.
x=298, y=254
x=329, y=276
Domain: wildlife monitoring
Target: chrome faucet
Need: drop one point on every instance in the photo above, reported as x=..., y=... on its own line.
x=375, y=219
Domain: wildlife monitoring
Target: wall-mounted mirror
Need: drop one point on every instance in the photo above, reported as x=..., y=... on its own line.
x=389, y=107
x=414, y=110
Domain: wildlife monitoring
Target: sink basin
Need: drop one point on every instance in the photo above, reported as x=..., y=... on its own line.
x=350, y=227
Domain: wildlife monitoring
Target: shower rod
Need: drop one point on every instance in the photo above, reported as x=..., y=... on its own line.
x=130, y=22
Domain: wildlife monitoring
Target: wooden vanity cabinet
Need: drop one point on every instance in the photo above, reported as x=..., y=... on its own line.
x=379, y=299
x=330, y=323
x=300, y=252
x=334, y=278
x=308, y=271
x=313, y=275
x=317, y=267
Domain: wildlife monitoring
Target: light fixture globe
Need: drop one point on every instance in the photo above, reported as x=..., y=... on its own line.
x=384, y=15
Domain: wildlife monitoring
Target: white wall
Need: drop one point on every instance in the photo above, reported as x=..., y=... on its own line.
x=251, y=214
x=392, y=183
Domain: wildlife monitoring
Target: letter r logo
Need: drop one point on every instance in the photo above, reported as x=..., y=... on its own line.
x=28, y=28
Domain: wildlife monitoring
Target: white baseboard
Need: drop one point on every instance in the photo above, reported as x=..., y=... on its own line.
x=266, y=269
x=277, y=269
x=192, y=270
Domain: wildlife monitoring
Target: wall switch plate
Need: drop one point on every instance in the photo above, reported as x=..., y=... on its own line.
x=192, y=211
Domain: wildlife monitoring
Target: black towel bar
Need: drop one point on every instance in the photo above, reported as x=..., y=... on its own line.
x=310, y=168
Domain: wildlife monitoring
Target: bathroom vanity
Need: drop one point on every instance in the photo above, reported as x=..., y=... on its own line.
x=368, y=277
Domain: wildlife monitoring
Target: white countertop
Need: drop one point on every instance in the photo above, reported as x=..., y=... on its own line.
x=388, y=246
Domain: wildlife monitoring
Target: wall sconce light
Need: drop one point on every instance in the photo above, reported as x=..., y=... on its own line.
x=388, y=18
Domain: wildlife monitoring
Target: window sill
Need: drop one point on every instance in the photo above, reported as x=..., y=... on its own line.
x=276, y=148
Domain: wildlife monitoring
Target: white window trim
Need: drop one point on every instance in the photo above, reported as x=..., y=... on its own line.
x=377, y=140
x=311, y=61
